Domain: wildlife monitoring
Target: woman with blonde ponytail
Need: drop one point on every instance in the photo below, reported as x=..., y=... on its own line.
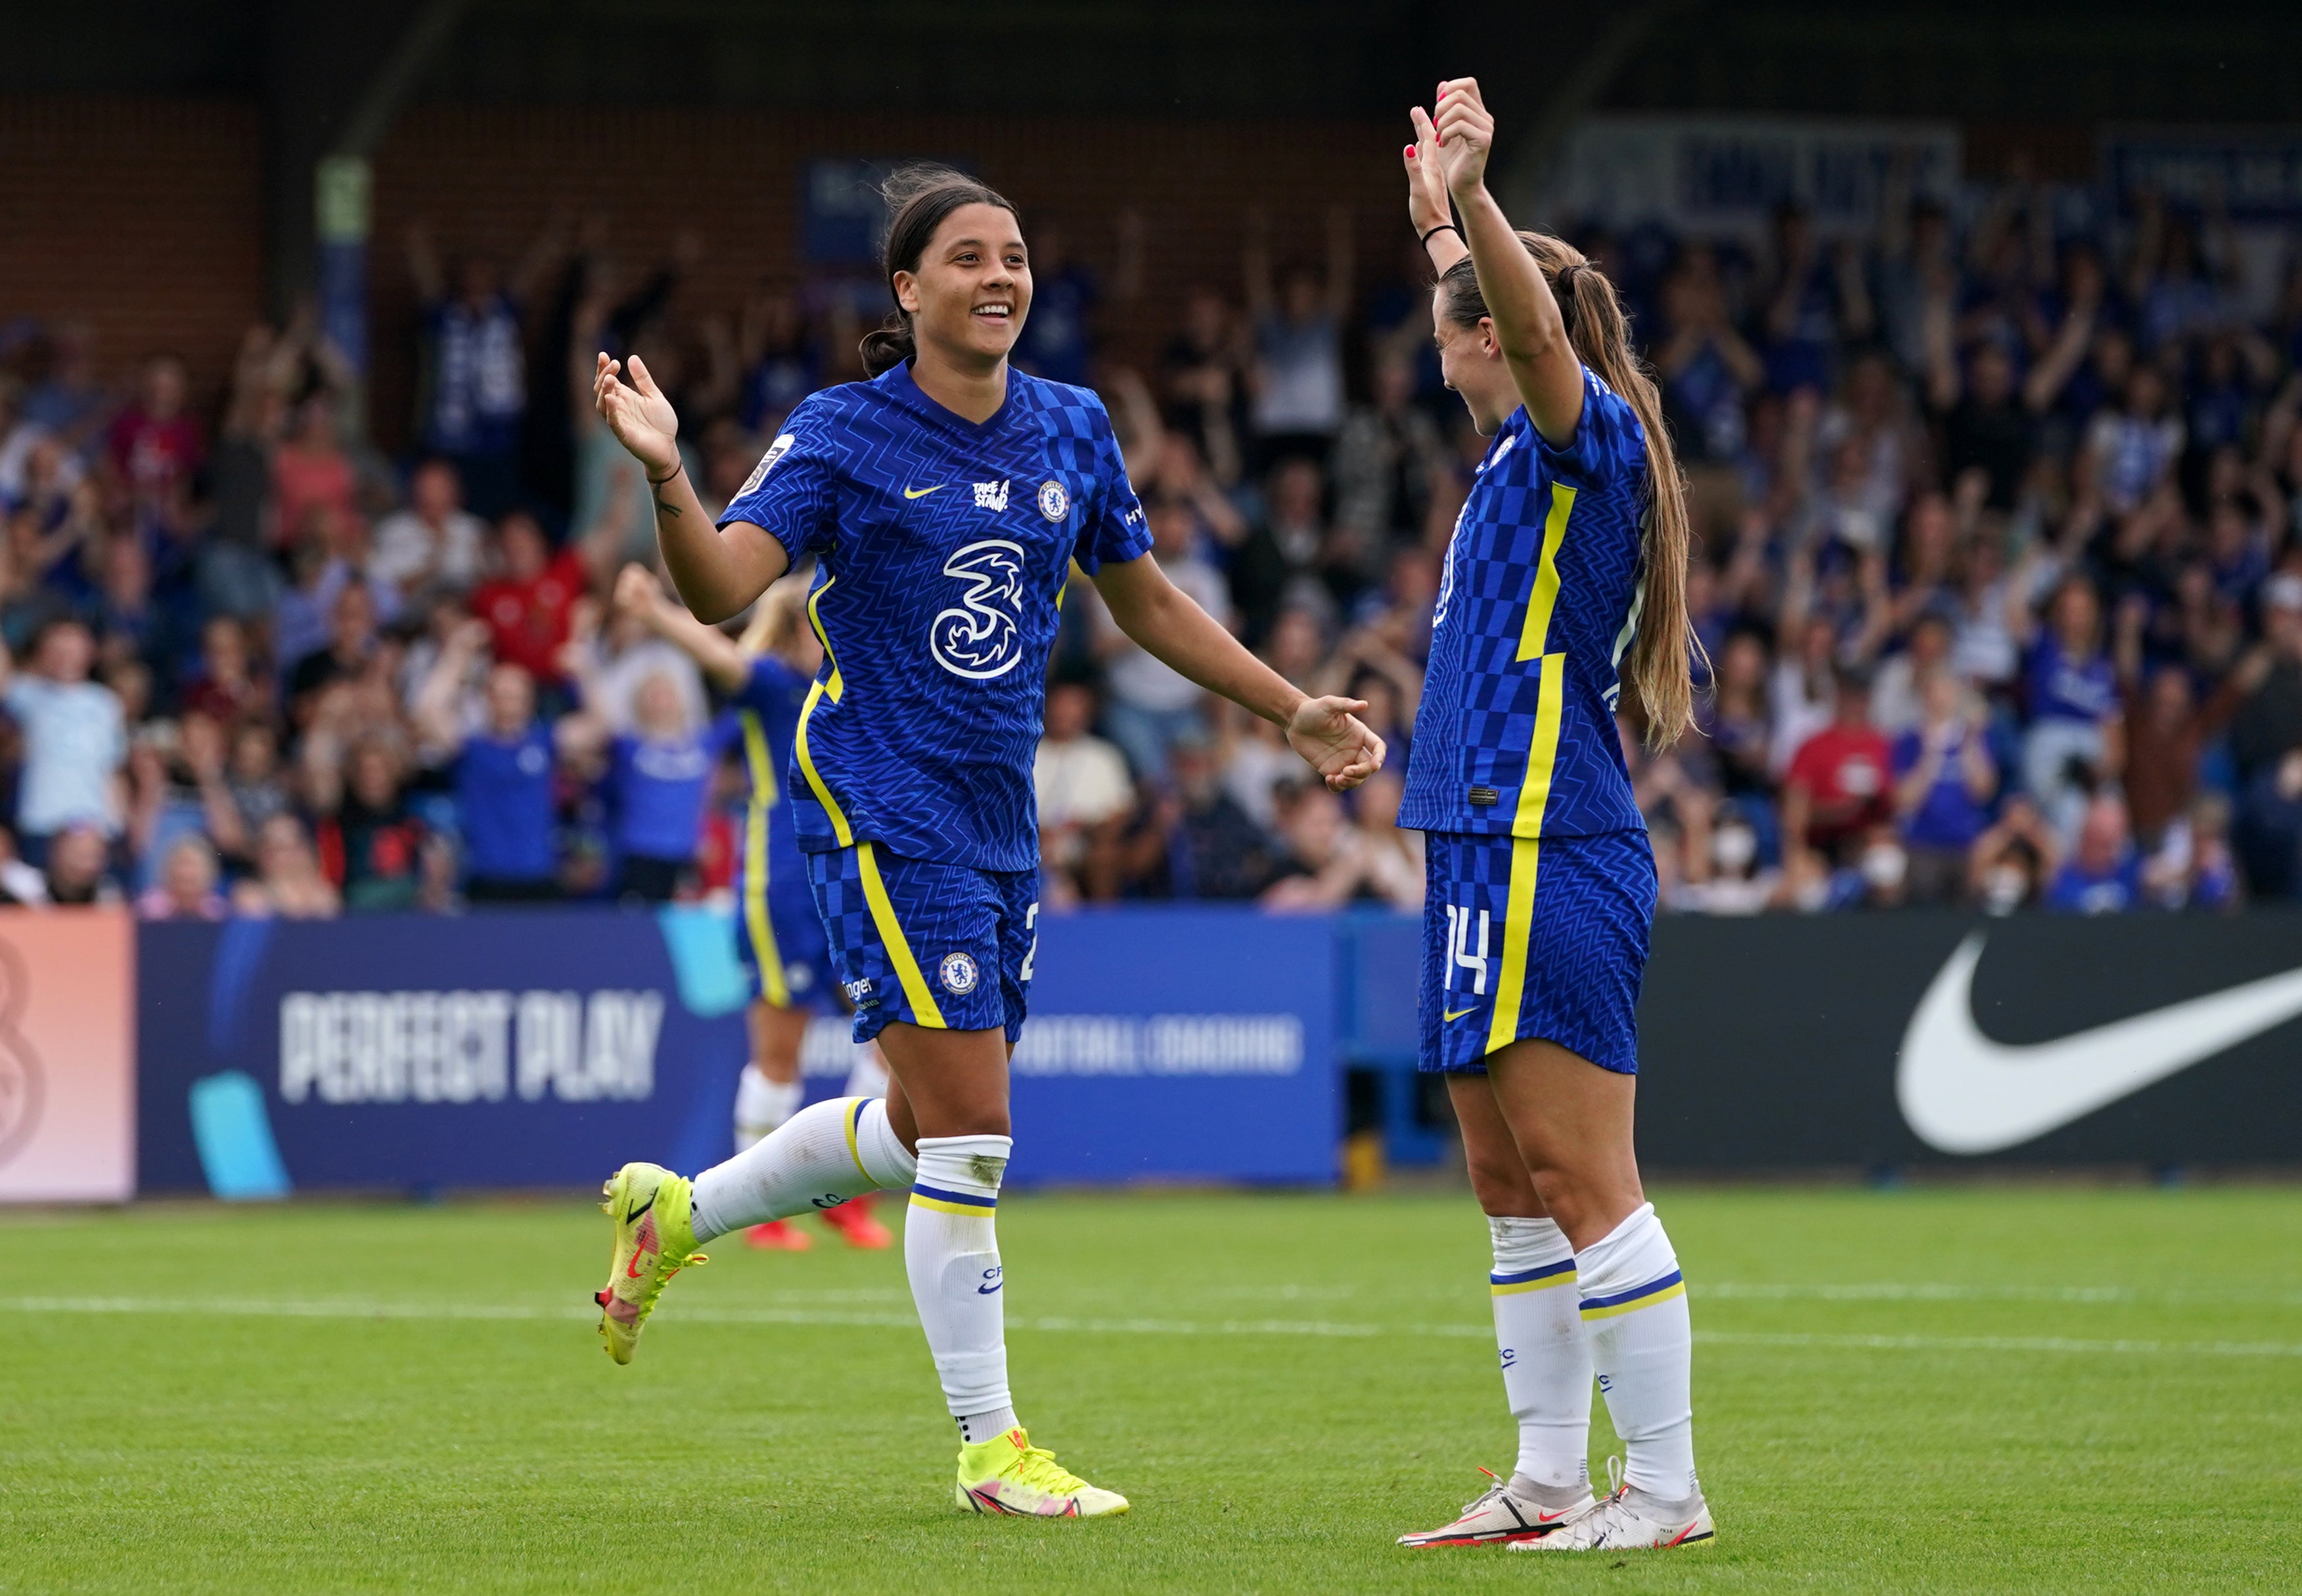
x=1564, y=581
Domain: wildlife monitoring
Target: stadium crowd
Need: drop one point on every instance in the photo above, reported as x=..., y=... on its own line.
x=1999, y=581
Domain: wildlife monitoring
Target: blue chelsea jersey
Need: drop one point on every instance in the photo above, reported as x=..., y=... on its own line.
x=1537, y=606
x=766, y=713
x=943, y=547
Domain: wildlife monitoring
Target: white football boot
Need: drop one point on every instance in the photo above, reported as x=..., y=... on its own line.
x=1625, y=1519
x=1509, y=1511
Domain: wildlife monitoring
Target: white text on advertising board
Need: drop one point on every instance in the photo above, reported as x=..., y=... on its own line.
x=345, y=1047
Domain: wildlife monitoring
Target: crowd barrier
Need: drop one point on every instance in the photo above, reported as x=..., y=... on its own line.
x=541, y=1048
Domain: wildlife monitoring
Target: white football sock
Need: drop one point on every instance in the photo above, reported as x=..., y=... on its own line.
x=951, y=1250
x=1546, y=1360
x=1643, y=1344
x=762, y=1105
x=836, y=1149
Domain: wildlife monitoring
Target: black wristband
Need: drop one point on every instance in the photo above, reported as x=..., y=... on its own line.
x=657, y=481
x=1443, y=226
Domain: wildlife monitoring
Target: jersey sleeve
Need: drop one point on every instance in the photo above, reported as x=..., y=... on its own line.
x=1112, y=531
x=1608, y=443
x=790, y=492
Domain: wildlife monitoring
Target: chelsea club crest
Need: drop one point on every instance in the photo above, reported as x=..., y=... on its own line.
x=1055, y=501
x=958, y=973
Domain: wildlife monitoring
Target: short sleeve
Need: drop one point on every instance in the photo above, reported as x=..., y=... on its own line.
x=789, y=491
x=1113, y=531
x=1608, y=441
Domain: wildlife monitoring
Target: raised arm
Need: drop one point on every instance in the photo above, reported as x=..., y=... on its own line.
x=1429, y=210
x=637, y=592
x=718, y=574
x=2046, y=380
x=1184, y=637
x=1528, y=327
x=435, y=710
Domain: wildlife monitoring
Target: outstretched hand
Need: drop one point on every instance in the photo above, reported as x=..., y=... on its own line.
x=1466, y=133
x=642, y=419
x=1328, y=733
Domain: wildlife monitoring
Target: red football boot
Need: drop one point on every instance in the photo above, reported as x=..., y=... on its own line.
x=853, y=1221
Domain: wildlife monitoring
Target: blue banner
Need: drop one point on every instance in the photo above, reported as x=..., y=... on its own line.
x=1179, y=1045
x=544, y=1048
x=514, y=1049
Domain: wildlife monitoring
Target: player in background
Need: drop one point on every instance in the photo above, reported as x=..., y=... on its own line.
x=778, y=935
x=945, y=500
x=1569, y=557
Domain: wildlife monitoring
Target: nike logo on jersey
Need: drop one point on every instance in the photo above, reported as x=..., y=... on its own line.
x=1458, y=1014
x=1964, y=1093
x=922, y=493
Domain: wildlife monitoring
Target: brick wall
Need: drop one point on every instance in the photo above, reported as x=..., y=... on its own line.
x=486, y=179
x=143, y=217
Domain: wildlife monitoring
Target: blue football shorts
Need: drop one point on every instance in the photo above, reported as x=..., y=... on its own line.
x=936, y=945
x=780, y=936
x=1541, y=938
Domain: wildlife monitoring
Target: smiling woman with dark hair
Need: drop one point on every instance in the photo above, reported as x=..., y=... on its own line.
x=946, y=502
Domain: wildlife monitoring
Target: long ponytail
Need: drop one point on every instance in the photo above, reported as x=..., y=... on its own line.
x=1661, y=666
x=918, y=197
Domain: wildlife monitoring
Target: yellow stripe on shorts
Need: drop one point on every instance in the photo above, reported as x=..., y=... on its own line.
x=891, y=933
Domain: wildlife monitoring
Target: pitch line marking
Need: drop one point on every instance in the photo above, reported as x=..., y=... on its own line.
x=284, y=1308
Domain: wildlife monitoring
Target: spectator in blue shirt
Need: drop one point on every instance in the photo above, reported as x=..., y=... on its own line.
x=2076, y=740
x=475, y=386
x=1943, y=782
x=658, y=777
x=74, y=735
x=2104, y=874
x=503, y=764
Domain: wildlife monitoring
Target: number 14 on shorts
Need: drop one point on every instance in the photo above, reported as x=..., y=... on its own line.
x=1460, y=954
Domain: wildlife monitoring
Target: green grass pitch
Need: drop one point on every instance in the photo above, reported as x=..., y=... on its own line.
x=2009, y=1388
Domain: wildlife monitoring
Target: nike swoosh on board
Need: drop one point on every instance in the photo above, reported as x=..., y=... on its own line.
x=923, y=492
x=1964, y=1093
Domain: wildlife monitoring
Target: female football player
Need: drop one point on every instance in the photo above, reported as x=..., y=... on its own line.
x=1569, y=556
x=946, y=500
x=778, y=935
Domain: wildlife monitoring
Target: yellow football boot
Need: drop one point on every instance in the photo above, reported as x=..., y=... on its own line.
x=655, y=1240
x=1008, y=1474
